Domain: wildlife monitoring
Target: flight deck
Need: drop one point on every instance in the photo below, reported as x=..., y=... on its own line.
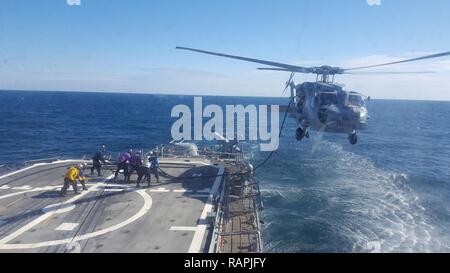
x=173, y=215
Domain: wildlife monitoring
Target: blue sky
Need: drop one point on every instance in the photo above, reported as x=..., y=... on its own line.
x=128, y=46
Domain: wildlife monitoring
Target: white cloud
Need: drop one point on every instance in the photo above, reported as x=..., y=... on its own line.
x=73, y=2
x=374, y=2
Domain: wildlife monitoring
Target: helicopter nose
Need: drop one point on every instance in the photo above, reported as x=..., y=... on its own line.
x=363, y=113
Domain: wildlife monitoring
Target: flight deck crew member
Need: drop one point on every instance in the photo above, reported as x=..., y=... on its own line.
x=81, y=176
x=144, y=172
x=154, y=166
x=71, y=177
x=98, y=158
x=123, y=163
x=135, y=164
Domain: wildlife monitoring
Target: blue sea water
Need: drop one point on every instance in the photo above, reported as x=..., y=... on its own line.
x=389, y=193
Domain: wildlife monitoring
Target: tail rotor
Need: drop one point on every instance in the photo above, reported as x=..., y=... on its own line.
x=289, y=83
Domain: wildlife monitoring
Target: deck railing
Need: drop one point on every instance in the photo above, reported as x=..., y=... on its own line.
x=247, y=237
x=35, y=161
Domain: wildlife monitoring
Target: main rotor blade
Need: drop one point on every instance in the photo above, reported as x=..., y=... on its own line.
x=288, y=67
x=438, y=55
x=274, y=69
x=389, y=73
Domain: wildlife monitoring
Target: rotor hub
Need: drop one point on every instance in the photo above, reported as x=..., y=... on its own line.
x=327, y=70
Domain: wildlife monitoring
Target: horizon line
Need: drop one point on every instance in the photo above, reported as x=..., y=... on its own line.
x=193, y=95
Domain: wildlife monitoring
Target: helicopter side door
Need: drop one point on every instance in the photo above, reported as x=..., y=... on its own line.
x=305, y=114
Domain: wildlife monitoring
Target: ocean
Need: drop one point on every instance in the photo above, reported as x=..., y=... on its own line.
x=388, y=193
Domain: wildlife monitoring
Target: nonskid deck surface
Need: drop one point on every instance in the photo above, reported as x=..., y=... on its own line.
x=110, y=216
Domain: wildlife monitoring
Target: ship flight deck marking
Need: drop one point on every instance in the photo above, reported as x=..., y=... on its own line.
x=67, y=226
x=25, y=187
x=65, y=207
x=159, y=190
x=199, y=234
x=69, y=205
x=179, y=228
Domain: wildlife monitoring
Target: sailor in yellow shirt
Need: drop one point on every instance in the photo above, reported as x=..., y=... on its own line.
x=73, y=175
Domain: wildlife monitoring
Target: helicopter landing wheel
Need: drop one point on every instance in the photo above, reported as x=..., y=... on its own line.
x=353, y=138
x=300, y=134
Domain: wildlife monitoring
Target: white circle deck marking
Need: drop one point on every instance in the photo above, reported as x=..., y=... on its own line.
x=31, y=190
x=66, y=207
x=67, y=226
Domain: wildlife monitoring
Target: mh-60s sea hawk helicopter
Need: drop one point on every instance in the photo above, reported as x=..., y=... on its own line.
x=324, y=105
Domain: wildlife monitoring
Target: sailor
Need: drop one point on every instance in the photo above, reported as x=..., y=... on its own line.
x=123, y=163
x=71, y=177
x=97, y=159
x=135, y=164
x=144, y=171
x=154, y=166
x=82, y=178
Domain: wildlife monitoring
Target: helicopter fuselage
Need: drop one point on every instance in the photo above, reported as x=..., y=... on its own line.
x=327, y=107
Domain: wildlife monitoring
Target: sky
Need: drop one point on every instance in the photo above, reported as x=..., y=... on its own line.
x=129, y=46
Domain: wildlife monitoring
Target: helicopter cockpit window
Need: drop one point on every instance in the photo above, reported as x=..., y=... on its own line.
x=328, y=99
x=356, y=100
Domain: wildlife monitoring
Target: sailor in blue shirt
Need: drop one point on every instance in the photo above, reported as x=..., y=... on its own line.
x=154, y=166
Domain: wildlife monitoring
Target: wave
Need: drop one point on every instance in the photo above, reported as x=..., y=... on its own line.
x=353, y=206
